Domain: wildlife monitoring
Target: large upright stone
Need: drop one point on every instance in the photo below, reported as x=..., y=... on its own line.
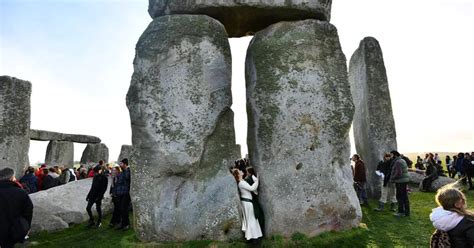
x=241, y=17
x=93, y=153
x=300, y=110
x=182, y=132
x=125, y=152
x=60, y=153
x=373, y=125
x=14, y=123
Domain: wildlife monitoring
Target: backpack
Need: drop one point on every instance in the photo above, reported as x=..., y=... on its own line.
x=440, y=239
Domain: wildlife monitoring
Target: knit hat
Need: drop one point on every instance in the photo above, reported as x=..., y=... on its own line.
x=6, y=174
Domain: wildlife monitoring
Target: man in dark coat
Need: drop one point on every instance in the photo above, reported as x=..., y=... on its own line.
x=122, y=190
x=14, y=203
x=96, y=194
x=360, y=179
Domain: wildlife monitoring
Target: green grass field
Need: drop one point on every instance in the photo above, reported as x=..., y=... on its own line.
x=378, y=229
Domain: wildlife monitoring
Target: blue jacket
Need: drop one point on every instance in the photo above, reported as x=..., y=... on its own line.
x=31, y=182
x=122, y=186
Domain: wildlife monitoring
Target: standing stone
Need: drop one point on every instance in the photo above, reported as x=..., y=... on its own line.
x=300, y=110
x=183, y=132
x=93, y=153
x=373, y=125
x=60, y=153
x=241, y=17
x=14, y=123
x=125, y=152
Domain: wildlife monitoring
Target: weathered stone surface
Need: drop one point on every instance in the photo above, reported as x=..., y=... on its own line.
x=300, y=110
x=60, y=153
x=56, y=208
x=125, y=152
x=182, y=132
x=14, y=123
x=241, y=17
x=438, y=183
x=416, y=177
x=93, y=153
x=373, y=125
x=48, y=135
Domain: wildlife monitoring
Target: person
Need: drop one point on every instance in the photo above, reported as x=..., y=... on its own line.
x=459, y=166
x=360, y=179
x=250, y=225
x=436, y=158
x=468, y=169
x=122, y=190
x=15, y=205
x=258, y=211
x=419, y=163
x=40, y=176
x=64, y=176
x=452, y=167
x=50, y=179
x=399, y=176
x=29, y=181
x=115, y=199
x=388, y=188
x=95, y=196
x=431, y=174
x=453, y=217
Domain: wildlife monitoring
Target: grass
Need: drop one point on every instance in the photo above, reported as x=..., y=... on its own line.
x=378, y=229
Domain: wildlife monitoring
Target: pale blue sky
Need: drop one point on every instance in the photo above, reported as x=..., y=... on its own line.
x=78, y=55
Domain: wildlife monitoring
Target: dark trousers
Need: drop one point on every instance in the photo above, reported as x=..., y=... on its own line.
x=116, y=211
x=427, y=181
x=98, y=205
x=124, y=204
x=402, y=198
x=469, y=175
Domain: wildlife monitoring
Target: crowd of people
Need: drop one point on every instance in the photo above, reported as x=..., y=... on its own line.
x=454, y=223
x=16, y=208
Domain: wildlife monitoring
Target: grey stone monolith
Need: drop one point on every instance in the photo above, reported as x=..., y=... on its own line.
x=93, y=153
x=60, y=153
x=125, y=152
x=15, y=112
x=373, y=125
x=300, y=110
x=183, y=132
x=242, y=17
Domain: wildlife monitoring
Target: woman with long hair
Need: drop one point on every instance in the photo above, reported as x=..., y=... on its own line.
x=453, y=217
x=250, y=224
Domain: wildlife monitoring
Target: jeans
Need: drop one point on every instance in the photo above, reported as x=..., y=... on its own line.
x=124, y=203
x=98, y=205
x=361, y=191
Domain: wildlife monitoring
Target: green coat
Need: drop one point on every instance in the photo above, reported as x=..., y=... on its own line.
x=399, y=171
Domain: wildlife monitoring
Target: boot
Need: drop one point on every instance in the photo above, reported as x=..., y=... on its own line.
x=380, y=208
x=393, y=207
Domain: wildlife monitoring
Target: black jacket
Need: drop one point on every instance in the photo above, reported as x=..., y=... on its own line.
x=50, y=182
x=462, y=236
x=16, y=202
x=98, y=188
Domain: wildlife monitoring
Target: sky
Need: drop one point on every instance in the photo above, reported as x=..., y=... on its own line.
x=78, y=55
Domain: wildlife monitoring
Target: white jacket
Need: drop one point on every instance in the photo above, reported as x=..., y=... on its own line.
x=444, y=220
